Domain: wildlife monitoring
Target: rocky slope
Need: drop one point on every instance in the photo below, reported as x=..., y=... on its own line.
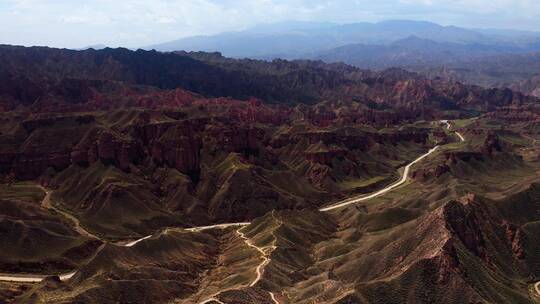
x=55, y=77
x=134, y=144
x=148, y=167
x=468, y=250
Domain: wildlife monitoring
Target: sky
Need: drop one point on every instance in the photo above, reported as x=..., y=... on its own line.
x=139, y=23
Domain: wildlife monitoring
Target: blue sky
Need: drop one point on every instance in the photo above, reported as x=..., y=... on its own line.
x=134, y=23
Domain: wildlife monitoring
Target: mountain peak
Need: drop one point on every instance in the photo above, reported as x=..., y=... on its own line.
x=301, y=39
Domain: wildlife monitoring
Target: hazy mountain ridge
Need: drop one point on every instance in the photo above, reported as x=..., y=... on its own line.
x=517, y=71
x=486, y=57
x=296, y=40
x=413, y=52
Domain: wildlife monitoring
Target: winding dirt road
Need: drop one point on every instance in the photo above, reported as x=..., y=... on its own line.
x=46, y=203
x=194, y=229
x=33, y=278
x=131, y=244
x=265, y=260
x=220, y=226
x=264, y=256
x=212, y=300
x=402, y=181
x=449, y=126
x=264, y=251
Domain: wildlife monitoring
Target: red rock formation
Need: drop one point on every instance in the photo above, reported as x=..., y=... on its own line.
x=175, y=144
x=321, y=154
x=241, y=138
x=454, y=156
x=462, y=221
x=254, y=111
x=491, y=144
x=516, y=114
x=449, y=261
x=319, y=175
x=31, y=164
x=108, y=148
x=514, y=237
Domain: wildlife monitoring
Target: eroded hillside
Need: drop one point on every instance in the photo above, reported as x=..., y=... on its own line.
x=114, y=162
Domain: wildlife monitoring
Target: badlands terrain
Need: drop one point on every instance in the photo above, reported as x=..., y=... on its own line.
x=147, y=177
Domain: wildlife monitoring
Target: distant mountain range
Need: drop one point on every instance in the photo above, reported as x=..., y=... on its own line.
x=486, y=57
x=520, y=72
x=293, y=40
x=414, y=51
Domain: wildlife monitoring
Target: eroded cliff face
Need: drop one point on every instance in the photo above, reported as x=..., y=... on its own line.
x=218, y=145
x=530, y=86
x=64, y=80
x=462, y=221
x=209, y=158
x=517, y=114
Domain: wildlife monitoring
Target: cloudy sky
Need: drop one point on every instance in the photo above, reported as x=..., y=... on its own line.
x=135, y=23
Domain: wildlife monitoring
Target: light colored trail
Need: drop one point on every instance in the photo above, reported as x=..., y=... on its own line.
x=46, y=203
x=220, y=226
x=537, y=288
x=212, y=300
x=265, y=252
x=273, y=297
x=449, y=126
x=264, y=256
x=33, y=278
x=402, y=181
x=131, y=244
x=194, y=229
x=383, y=191
x=30, y=278
x=260, y=268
